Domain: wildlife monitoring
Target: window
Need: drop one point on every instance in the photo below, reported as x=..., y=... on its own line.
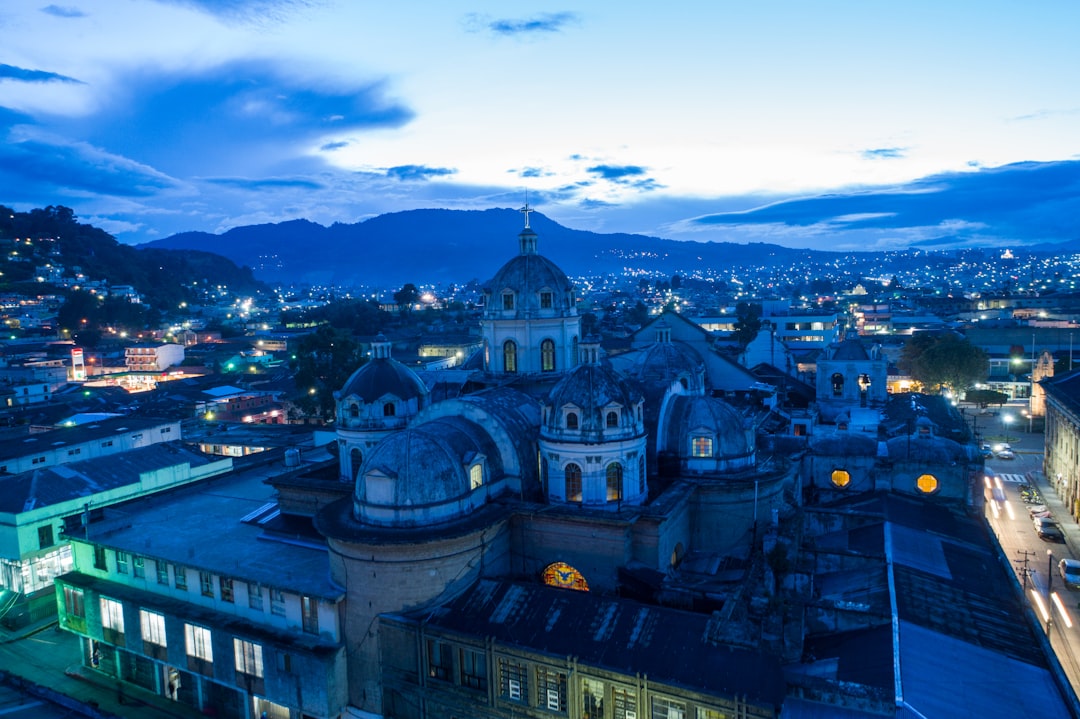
x=701, y=447
x=138, y=563
x=225, y=588
x=841, y=477
x=513, y=680
x=99, y=557
x=277, y=602
x=592, y=698
x=550, y=689
x=837, y=385
x=74, y=602
x=573, y=483
x=641, y=474
x=388, y=410
x=255, y=596
x=703, y=713
x=476, y=476
x=612, y=420
x=547, y=356
x=509, y=356
x=614, y=481
x=571, y=420
x=926, y=483
x=197, y=642
x=153, y=627
x=45, y=536
x=473, y=670
x=249, y=657
x=663, y=708
x=74, y=452
x=112, y=620
x=508, y=300
x=284, y=662
x=309, y=611
x=206, y=584
x=354, y=410
x=440, y=660
x=180, y=577
x=122, y=561
x=162, y=571
x=545, y=300
x=623, y=703
x=356, y=459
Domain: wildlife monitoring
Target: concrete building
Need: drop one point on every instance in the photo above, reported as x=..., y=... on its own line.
x=153, y=357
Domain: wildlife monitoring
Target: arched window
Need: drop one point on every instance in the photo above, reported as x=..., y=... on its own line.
x=684, y=383
x=841, y=477
x=476, y=476
x=614, y=482
x=837, y=385
x=508, y=300
x=546, y=300
x=641, y=475
x=612, y=419
x=573, y=483
x=571, y=420
x=701, y=447
x=389, y=410
x=927, y=484
x=547, y=356
x=355, y=460
x=509, y=356
x=354, y=410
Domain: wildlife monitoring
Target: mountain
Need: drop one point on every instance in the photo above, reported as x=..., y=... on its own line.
x=454, y=246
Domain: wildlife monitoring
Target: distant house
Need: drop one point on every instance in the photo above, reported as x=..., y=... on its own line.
x=153, y=357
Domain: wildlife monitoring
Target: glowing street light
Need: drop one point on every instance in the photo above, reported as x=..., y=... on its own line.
x=1006, y=420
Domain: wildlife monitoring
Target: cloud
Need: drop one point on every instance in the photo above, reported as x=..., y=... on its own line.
x=1026, y=202
x=244, y=10
x=532, y=172
x=405, y=173
x=266, y=183
x=330, y=146
x=885, y=153
x=63, y=11
x=616, y=173
x=10, y=72
x=542, y=23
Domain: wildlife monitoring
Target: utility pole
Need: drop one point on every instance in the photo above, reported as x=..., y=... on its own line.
x=1025, y=570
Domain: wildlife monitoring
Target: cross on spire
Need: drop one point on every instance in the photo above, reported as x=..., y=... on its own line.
x=525, y=210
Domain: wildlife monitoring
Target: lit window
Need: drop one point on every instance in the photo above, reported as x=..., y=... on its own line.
x=225, y=587
x=841, y=477
x=197, y=642
x=249, y=657
x=513, y=680
x=592, y=697
x=476, y=476
x=509, y=356
x=624, y=702
x=664, y=708
x=153, y=627
x=614, y=481
x=74, y=605
x=573, y=483
x=440, y=660
x=926, y=483
x=206, y=584
x=547, y=356
x=551, y=689
x=701, y=447
x=112, y=619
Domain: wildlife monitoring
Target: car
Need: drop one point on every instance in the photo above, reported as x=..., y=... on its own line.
x=1006, y=454
x=1038, y=510
x=1047, y=529
x=1069, y=569
x=987, y=453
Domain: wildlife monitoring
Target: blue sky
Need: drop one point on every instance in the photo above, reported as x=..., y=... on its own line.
x=833, y=125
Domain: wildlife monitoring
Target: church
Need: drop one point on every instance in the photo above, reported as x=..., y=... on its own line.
x=647, y=534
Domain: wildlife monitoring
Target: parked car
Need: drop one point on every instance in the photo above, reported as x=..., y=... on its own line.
x=1047, y=529
x=1006, y=454
x=1039, y=510
x=1069, y=569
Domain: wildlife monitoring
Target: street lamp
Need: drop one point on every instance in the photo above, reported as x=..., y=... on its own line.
x=1006, y=420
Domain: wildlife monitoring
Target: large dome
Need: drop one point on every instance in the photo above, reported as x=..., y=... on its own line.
x=529, y=285
x=427, y=474
x=591, y=392
x=662, y=363
x=381, y=377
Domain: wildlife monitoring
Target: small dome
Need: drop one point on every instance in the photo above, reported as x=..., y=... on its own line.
x=707, y=434
x=529, y=283
x=662, y=363
x=427, y=474
x=383, y=376
x=593, y=391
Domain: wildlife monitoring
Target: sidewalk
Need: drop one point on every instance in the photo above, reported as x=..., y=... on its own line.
x=43, y=661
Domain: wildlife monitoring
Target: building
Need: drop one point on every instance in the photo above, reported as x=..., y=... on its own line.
x=153, y=357
x=1062, y=454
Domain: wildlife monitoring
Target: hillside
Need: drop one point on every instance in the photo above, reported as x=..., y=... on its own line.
x=454, y=246
x=159, y=274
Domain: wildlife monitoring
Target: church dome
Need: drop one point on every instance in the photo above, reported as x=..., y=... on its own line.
x=706, y=434
x=430, y=473
x=665, y=362
x=584, y=401
x=383, y=376
x=529, y=285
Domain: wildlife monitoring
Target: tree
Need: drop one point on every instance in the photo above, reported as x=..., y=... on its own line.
x=937, y=361
x=748, y=323
x=983, y=397
x=406, y=297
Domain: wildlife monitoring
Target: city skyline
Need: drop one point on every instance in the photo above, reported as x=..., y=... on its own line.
x=831, y=127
